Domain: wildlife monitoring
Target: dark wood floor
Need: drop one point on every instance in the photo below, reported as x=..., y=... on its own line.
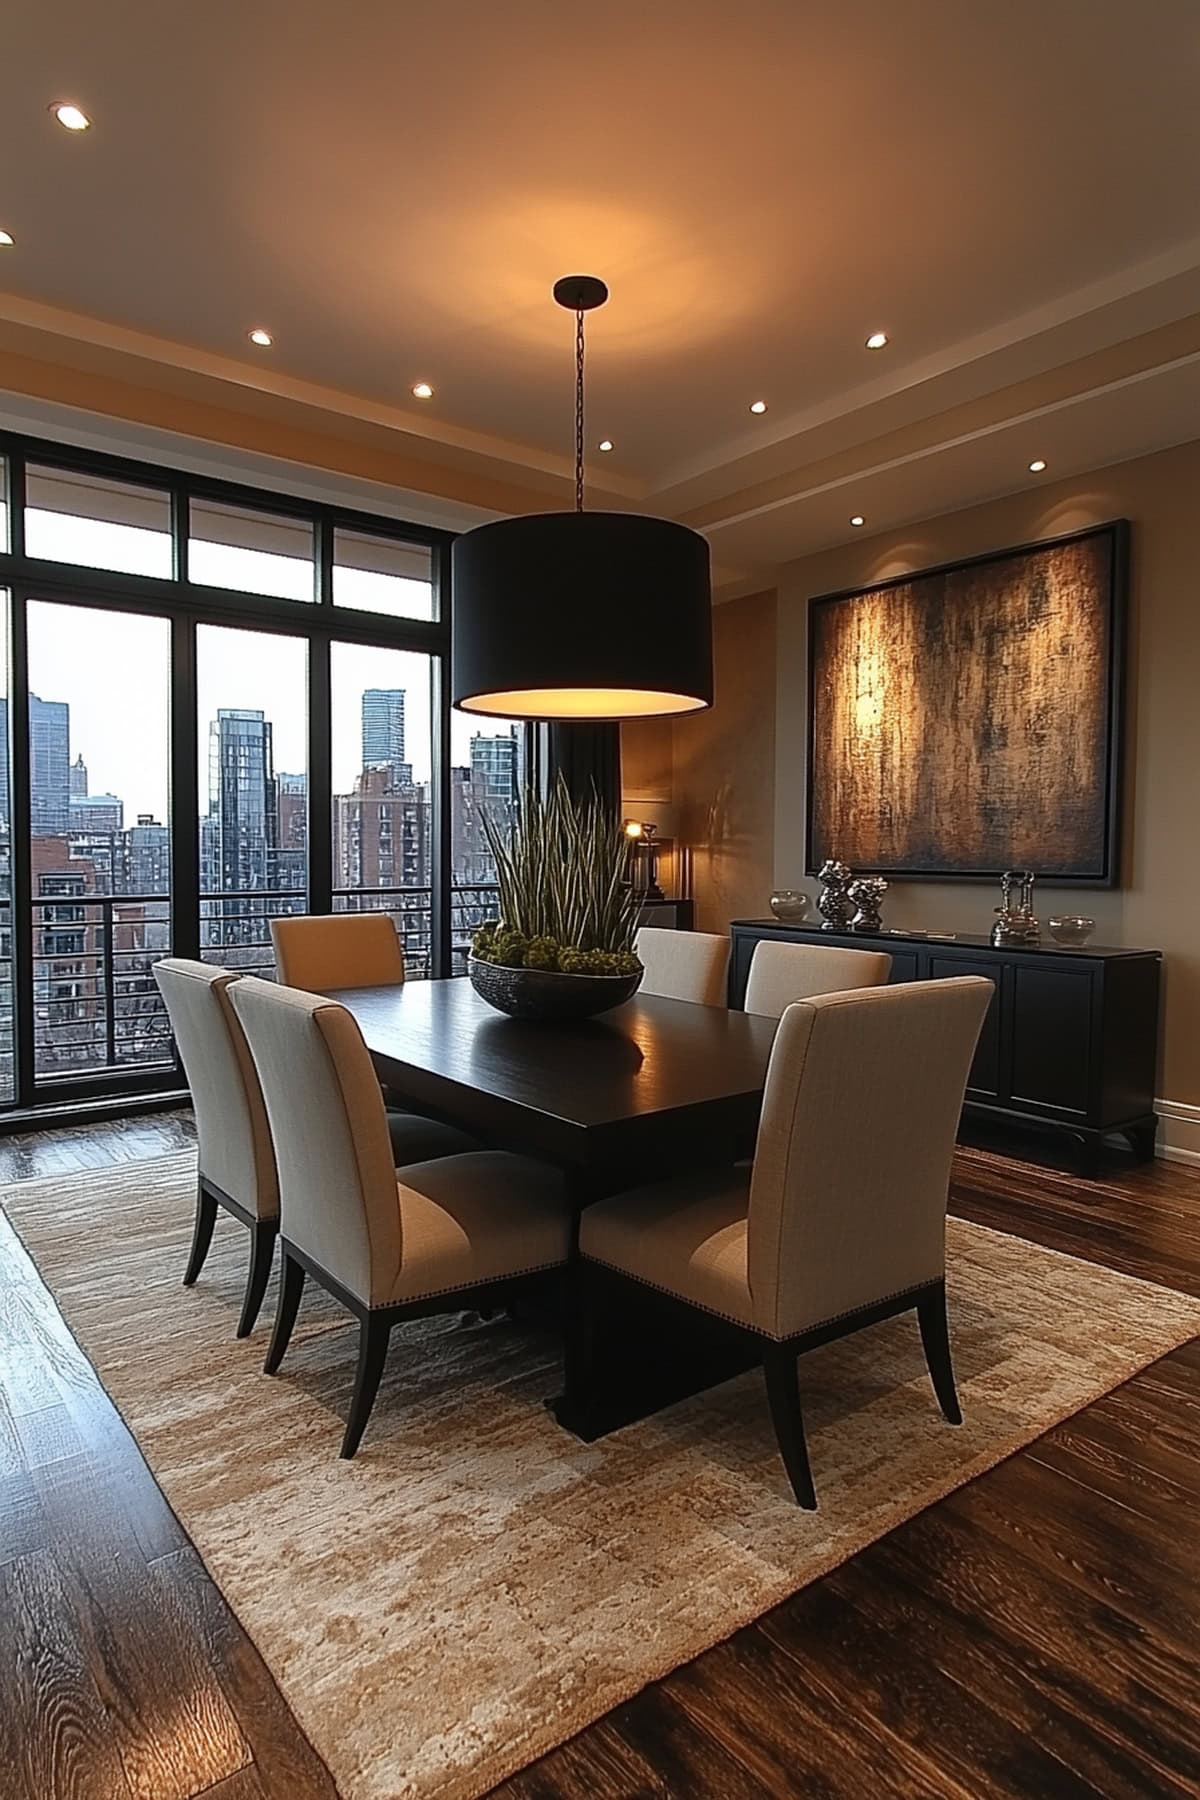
x=1037, y=1633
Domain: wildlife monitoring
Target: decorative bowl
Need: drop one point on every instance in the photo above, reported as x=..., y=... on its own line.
x=789, y=905
x=1071, y=929
x=545, y=994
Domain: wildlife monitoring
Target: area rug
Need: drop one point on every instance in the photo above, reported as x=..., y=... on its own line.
x=477, y=1585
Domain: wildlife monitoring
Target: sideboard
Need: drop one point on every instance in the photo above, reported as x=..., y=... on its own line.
x=1070, y=1039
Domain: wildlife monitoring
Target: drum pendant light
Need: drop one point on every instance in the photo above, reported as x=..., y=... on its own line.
x=581, y=615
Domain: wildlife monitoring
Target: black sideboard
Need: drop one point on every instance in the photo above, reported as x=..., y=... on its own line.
x=1070, y=1039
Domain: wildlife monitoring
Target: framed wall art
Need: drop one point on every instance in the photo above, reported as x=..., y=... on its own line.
x=966, y=719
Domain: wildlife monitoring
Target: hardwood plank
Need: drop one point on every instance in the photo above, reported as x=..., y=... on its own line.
x=785, y=1721
x=286, y=1764
x=55, y=1742
x=598, y=1763
x=173, y=1727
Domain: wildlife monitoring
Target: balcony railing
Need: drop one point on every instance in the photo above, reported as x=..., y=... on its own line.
x=95, y=1002
x=96, y=1005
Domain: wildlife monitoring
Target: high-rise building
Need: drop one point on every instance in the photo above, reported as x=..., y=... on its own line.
x=495, y=764
x=78, y=778
x=292, y=863
x=147, y=857
x=239, y=848
x=90, y=813
x=49, y=767
x=383, y=733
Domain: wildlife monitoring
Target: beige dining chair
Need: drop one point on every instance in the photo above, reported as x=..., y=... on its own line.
x=389, y=1244
x=781, y=973
x=324, y=952
x=683, y=965
x=841, y=1220
x=237, y=1160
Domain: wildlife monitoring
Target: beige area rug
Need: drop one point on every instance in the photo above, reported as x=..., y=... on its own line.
x=478, y=1585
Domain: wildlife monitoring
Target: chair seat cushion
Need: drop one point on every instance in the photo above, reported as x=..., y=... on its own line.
x=415, y=1139
x=478, y=1217
x=687, y=1236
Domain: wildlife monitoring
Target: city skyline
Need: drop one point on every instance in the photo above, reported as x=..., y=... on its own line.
x=122, y=726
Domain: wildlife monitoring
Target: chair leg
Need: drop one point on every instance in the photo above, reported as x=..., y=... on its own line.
x=935, y=1336
x=291, y=1286
x=373, y=1336
x=206, y=1218
x=783, y=1393
x=262, y=1250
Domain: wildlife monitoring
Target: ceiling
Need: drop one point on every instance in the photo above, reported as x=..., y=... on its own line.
x=1010, y=192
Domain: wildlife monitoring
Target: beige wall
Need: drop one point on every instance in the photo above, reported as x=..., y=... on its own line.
x=722, y=761
x=722, y=769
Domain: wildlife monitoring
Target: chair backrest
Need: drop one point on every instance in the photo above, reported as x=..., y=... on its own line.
x=683, y=965
x=337, y=1184
x=236, y=1153
x=337, y=950
x=781, y=973
x=852, y=1168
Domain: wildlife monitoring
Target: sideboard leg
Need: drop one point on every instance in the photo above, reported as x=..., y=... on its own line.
x=1142, y=1138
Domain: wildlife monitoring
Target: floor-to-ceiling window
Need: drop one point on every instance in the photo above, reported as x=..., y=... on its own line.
x=217, y=705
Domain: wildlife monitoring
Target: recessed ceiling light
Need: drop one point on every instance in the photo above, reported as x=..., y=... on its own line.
x=1036, y=466
x=262, y=338
x=69, y=115
x=758, y=406
x=877, y=340
x=606, y=443
x=422, y=391
x=6, y=237
x=858, y=519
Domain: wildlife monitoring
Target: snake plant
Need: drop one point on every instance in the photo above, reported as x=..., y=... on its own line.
x=565, y=899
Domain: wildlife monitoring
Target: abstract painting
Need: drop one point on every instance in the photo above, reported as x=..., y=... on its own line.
x=965, y=720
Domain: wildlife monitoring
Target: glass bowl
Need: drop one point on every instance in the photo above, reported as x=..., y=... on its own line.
x=789, y=905
x=1071, y=929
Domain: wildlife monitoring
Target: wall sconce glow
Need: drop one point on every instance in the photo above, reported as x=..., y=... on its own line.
x=422, y=391
x=605, y=444
x=1036, y=466
x=262, y=338
x=72, y=117
x=634, y=829
x=6, y=237
x=758, y=406
x=877, y=340
x=858, y=519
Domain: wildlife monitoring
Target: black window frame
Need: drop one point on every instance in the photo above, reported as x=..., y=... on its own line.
x=186, y=605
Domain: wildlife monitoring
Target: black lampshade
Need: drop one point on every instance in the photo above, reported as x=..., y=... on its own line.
x=581, y=615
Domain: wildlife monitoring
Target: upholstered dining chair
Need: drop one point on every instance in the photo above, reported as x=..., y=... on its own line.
x=781, y=973
x=355, y=950
x=683, y=965
x=389, y=1244
x=841, y=1220
x=237, y=1160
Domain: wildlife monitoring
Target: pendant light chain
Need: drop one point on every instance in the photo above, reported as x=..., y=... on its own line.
x=579, y=411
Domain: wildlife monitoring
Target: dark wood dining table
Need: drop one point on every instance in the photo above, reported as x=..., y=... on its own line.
x=654, y=1088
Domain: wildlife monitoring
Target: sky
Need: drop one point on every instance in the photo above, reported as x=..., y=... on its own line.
x=113, y=669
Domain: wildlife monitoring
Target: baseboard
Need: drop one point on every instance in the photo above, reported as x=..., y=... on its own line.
x=1178, y=1132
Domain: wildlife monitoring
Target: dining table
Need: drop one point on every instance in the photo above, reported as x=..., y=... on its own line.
x=653, y=1089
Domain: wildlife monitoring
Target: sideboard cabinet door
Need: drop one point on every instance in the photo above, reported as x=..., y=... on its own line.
x=984, y=1081
x=1053, y=1037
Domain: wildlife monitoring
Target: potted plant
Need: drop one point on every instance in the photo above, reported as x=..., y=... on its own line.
x=562, y=947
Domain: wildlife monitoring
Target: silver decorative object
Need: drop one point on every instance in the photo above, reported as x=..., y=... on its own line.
x=866, y=894
x=1071, y=929
x=1016, y=924
x=834, y=902
x=789, y=905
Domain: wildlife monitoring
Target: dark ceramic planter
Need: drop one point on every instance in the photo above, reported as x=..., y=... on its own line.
x=545, y=994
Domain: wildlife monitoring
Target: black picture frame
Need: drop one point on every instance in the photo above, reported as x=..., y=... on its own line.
x=1105, y=870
